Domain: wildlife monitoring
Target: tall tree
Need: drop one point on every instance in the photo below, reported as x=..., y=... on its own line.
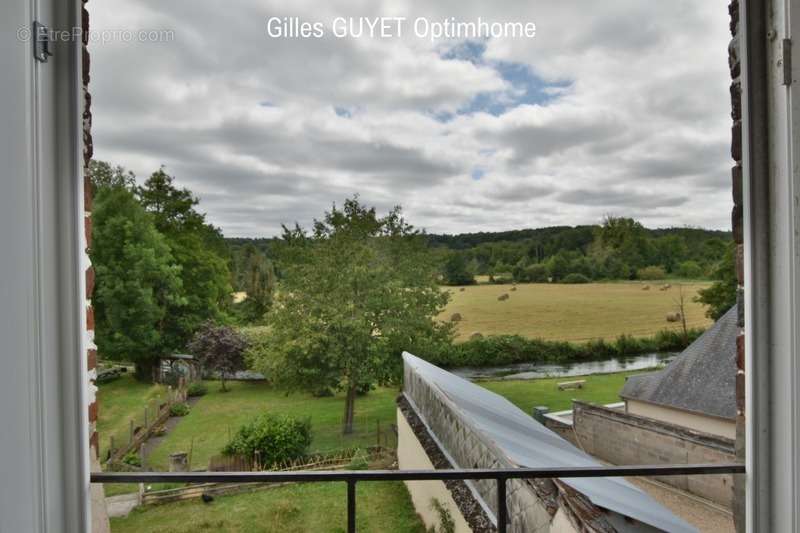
x=456, y=270
x=219, y=348
x=197, y=247
x=721, y=295
x=354, y=293
x=257, y=279
x=136, y=280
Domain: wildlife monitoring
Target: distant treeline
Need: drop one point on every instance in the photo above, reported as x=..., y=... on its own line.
x=619, y=248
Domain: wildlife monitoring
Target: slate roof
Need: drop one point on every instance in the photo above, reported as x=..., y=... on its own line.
x=702, y=379
x=526, y=443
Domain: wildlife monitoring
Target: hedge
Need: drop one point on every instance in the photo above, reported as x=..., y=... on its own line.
x=496, y=350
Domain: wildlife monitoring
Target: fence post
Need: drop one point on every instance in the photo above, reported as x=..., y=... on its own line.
x=130, y=434
x=502, y=509
x=351, y=506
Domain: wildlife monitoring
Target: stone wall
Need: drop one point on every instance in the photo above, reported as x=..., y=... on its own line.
x=624, y=439
x=411, y=455
x=527, y=510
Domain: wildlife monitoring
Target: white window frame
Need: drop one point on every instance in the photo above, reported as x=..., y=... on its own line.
x=43, y=378
x=44, y=450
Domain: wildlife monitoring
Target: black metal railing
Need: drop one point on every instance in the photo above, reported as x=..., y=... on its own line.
x=351, y=477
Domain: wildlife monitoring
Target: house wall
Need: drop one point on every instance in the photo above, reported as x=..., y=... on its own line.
x=411, y=456
x=627, y=439
x=708, y=424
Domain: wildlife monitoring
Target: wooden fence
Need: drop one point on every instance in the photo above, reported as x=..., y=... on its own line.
x=155, y=417
x=333, y=461
x=238, y=463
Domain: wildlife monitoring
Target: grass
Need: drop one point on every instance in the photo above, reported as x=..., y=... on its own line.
x=575, y=313
x=380, y=507
x=121, y=401
x=525, y=394
x=206, y=428
x=217, y=415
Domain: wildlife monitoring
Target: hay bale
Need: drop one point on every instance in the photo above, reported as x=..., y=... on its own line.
x=646, y=288
x=475, y=336
x=456, y=317
x=513, y=288
x=673, y=317
x=503, y=297
x=462, y=289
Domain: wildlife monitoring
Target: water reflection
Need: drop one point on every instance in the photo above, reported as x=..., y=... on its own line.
x=546, y=370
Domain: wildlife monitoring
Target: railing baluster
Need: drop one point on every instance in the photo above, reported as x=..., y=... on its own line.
x=351, y=506
x=502, y=505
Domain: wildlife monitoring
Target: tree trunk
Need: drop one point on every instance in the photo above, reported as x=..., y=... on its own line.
x=349, y=410
x=222, y=379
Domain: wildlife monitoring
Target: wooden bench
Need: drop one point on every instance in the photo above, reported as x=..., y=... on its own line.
x=577, y=384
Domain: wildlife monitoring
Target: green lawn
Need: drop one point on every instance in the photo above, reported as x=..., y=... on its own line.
x=205, y=430
x=572, y=312
x=380, y=507
x=217, y=415
x=119, y=402
x=525, y=394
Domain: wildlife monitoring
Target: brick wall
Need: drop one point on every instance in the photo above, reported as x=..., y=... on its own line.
x=737, y=222
x=625, y=439
x=91, y=352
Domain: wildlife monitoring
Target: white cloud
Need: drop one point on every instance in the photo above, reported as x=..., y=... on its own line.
x=616, y=108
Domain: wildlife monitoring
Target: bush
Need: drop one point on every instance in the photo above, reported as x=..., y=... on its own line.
x=132, y=459
x=198, y=388
x=359, y=461
x=178, y=409
x=277, y=438
x=575, y=278
x=498, y=350
x=537, y=273
x=689, y=269
x=651, y=272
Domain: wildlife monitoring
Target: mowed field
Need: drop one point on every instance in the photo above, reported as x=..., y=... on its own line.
x=576, y=313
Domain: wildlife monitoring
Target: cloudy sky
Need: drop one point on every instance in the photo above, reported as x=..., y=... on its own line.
x=617, y=107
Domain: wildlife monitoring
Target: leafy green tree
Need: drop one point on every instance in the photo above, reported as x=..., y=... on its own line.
x=200, y=251
x=103, y=175
x=258, y=281
x=136, y=280
x=456, y=270
x=558, y=266
x=625, y=240
x=354, y=293
x=721, y=295
x=689, y=269
x=670, y=251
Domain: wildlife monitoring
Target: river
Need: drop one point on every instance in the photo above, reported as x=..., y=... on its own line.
x=550, y=370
